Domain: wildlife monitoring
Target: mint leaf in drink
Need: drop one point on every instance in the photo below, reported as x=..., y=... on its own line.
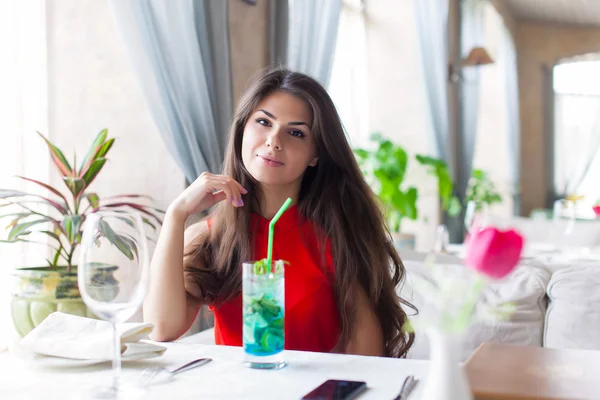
x=260, y=267
x=270, y=306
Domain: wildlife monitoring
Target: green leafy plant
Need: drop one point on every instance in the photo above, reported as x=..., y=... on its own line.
x=385, y=169
x=481, y=189
x=63, y=221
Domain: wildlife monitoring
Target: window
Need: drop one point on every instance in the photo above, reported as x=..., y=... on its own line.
x=577, y=128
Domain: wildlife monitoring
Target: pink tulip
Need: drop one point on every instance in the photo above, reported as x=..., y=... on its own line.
x=494, y=253
x=596, y=210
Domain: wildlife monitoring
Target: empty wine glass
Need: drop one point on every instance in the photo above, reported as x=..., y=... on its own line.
x=476, y=216
x=113, y=275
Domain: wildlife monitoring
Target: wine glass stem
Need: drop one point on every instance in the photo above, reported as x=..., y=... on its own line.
x=116, y=362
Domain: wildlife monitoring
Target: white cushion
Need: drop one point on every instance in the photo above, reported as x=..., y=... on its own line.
x=573, y=318
x=525, y=288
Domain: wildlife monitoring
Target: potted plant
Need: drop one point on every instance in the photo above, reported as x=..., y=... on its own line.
x=385, y=168
x=43, y=290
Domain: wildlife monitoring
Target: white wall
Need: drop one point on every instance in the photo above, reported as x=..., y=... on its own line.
x=91, y=86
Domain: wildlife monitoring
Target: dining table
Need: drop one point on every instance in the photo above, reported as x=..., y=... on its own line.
x=225, y=377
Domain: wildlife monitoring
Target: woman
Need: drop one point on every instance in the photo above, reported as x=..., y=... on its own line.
x=286, y=141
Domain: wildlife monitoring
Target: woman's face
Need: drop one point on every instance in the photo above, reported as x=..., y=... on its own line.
x=277, y=145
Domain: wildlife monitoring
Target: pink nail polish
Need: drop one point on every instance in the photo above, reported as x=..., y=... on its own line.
x=241, y=203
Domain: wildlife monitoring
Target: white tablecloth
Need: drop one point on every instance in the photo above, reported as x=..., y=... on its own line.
x=224, y=378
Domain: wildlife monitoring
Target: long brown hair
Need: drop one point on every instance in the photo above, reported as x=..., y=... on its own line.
x=333, y=195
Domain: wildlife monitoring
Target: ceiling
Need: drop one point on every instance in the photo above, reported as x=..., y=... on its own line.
x=577, y=12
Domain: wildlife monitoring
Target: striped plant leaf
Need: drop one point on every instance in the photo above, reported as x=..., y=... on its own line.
x=105, y=148
x=16, y=240
x=5, y=194
x=116, y=239
x=75, y=164
x=131, y=244
x=75, y=185
x=93, y=170
x=59, y=158
x=87, y=162
x=93, y=199
x=52, y=235
x=57, y=254
x=144, y=219
x=91, y=154
x=98, y=150
x=135, y=206
x=147, y=221
x=71, y=225
x=16, y=220
x=50, y=188
x=22, y=229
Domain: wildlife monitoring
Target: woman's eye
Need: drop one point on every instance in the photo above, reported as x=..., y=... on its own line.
x=298, y=134
x=263, y=122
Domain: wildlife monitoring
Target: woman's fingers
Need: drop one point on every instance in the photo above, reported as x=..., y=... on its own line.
x=230, y=187
x=219, y=197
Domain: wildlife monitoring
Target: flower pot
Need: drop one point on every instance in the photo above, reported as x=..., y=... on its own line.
x=404, y=241
x=41, y=291
x=446, y=379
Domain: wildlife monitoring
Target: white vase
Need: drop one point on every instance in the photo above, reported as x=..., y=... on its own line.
x=446, y=379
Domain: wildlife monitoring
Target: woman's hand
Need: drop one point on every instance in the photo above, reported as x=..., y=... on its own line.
x=206, y=191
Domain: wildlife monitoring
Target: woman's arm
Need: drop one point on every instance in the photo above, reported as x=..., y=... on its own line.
x=165, y=305
x=366, y=337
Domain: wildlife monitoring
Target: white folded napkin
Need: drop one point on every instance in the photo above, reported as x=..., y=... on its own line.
x=71, y=336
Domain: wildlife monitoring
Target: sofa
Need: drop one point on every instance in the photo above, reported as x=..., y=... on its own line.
x=555, y=308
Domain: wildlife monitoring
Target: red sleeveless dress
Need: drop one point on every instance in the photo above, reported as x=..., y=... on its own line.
x=311, y=315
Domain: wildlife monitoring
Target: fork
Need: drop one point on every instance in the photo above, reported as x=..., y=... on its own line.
x=150, y=373
x=407, y=387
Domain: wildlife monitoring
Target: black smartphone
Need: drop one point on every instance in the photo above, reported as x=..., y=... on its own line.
x=336, y=390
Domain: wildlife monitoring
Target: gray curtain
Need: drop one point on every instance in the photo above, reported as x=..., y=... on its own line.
x=180, y=55
x=549, y=134
x=472, y=34
x=278, y=31
x=313, y=26
x=432, y=29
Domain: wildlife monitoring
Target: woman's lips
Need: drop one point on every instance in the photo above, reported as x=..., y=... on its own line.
x=271, y=162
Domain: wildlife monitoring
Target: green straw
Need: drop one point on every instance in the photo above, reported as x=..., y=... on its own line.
x=272, y=228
